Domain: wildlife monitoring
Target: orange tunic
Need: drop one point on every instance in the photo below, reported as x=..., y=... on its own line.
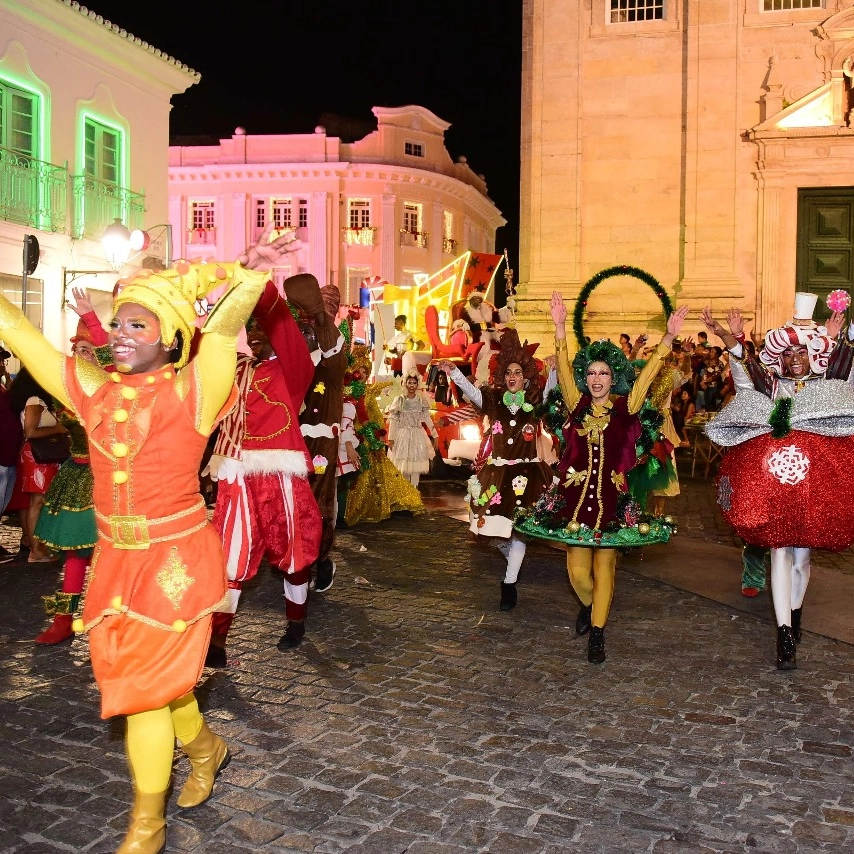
x=158, y=571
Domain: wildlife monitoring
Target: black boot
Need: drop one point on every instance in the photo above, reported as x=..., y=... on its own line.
x=325, y=575
x=796, y=624
x=582, y=621
x=216, y=657
x=786, y=649
x=294, y=633
x=508, y=596
x=596, y=645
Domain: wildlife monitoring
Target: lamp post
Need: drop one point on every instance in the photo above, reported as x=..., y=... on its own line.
x=118, y=242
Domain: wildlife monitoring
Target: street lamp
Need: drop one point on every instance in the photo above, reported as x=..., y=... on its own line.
x=118, y=242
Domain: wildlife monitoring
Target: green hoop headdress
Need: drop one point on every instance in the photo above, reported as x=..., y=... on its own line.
x=604, y=351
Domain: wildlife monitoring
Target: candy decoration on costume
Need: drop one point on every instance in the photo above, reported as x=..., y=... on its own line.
x=838, y=300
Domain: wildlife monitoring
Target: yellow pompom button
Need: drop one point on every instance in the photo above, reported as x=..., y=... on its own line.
x=120, y=449
x=116, y=377
x=167, y=375
x=116, y=603
x=179, y=626
x=77, y=626
x=120, y=416
x=150, y=380
x=128, y=393
x=120, y=477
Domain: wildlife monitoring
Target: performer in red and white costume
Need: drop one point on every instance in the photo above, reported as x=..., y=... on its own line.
x=265, y=505
x=789, y=430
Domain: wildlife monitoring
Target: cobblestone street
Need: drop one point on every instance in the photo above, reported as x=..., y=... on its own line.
x=416, y=717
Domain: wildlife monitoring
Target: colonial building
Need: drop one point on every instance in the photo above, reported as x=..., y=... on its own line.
x=706, y=142
x=84, y=138
x=390, y=206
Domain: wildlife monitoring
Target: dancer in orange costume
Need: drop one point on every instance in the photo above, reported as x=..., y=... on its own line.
x=158, y=571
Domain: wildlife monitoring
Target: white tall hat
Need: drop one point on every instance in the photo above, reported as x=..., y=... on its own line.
x=804, y=306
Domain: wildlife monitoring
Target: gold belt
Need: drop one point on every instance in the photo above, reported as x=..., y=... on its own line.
x=135, y=532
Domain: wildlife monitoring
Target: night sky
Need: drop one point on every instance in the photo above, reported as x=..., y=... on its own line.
x=277, y=68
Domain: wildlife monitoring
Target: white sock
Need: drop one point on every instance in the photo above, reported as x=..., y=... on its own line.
x=800, y=576
x=781, y=585
x=515, y=556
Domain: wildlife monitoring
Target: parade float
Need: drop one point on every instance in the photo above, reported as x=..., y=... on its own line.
x=430, y=305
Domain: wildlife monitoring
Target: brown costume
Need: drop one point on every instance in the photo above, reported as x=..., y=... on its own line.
x=320, y=420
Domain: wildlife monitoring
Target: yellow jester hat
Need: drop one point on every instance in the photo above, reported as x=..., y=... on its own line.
x=173, y=295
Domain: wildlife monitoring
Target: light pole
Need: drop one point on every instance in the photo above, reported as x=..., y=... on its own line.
x=118, y=242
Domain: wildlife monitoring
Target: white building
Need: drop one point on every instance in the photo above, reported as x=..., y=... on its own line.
x=84, y=137
x=391, y=205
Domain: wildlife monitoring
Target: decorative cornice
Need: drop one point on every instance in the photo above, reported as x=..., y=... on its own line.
x=465, y=193
x=130, y=37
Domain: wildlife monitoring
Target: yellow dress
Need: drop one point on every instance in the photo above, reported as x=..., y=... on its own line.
x=381, y=489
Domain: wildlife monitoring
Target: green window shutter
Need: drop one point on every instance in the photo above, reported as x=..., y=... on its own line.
x=102, y=152
x=18, y=120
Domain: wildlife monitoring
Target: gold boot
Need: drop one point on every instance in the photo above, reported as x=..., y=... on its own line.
x=147, y=831
x=208, y=755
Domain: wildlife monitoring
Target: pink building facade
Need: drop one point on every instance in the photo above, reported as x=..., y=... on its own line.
x=392, y=205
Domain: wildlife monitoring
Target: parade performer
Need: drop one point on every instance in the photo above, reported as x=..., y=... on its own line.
x=66, y=522
x=409, y=419
x=349, y=460
x=512, y=476
x=655, y=477
x=590, y=509
x=790, y=449
x=379, y=489
x=320, y=419
x=158, y=571
x=260, y=461
x=482, y=320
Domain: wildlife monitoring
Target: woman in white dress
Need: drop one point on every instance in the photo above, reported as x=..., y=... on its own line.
x=409, y=423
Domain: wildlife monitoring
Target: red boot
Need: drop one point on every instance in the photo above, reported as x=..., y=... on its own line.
x=59, y=630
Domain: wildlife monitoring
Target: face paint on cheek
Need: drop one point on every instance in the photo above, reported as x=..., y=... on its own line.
x=146, y=333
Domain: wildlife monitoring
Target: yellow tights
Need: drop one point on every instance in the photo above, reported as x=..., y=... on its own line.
x=591, y=574
x=150, y=741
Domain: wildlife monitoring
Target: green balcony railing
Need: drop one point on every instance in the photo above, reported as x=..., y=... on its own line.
x=32, y=193
x=98, y=204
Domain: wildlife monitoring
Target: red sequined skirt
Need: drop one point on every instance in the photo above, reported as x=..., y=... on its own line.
x=790, y=492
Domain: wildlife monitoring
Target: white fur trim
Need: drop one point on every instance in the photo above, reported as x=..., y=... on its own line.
x=318, y=431
x=275, y=461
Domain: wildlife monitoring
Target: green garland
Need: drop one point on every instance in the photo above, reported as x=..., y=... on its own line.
x=780, y=417
x=601, y=276
x=552, y=412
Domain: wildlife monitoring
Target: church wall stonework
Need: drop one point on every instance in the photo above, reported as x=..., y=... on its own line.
x=664, y=145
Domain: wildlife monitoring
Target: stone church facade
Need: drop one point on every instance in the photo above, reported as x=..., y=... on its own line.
x=705, y=142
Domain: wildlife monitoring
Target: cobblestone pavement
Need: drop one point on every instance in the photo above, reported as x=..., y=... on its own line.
x=416, y=717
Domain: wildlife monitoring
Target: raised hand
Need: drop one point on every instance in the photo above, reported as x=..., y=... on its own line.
x=688, y=344
x=835, y=323
x=710, y=323
x=266, y=255
x=82, y=304
x=446, y=366
x=735, y=321
x=558, y=309
x=676, y=319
